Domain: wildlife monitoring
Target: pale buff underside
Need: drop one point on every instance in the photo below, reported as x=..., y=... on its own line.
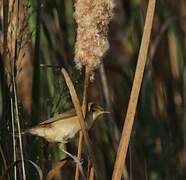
x=63, y=127
x=58, y=131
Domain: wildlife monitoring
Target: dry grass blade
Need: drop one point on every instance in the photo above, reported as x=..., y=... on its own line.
x=3, y=158
x=19, y=128
x=80, y=149
x=91, y=176
x=37, y=168
x=14, y=140
x=6, y=172
x=129, y=120
x=78, y=109
x=51, y=174
x=18, y=120
x=163, y=29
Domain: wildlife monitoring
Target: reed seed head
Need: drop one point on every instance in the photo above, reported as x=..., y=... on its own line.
x=92, y=17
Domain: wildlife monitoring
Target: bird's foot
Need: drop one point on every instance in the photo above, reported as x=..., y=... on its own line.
x=76, y=160
x=79, y=163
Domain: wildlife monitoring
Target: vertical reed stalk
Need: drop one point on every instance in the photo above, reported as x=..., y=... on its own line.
x=14, y=142
x=129, y=120
x=19, y=128
x=91, y=176
x=84, y=110
x=15, y=51
x=79, y=112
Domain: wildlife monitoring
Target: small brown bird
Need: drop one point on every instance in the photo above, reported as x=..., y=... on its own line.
x=63, y=127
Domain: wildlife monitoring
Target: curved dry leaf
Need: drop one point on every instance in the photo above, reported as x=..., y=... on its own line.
x=4, y=175
x=79, y=112
x=40, y=173
x=56, y=168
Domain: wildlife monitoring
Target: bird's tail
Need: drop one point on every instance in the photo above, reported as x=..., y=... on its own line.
x=25, y=132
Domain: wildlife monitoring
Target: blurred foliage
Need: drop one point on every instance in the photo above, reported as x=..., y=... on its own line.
x=158, y=143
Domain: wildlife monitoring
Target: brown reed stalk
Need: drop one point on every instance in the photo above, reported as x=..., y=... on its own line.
x=129, y=120
x=51, y=174
x=12, y=65
x=79, y=112
x=91, y=176
x=84, y=110
x=92, y=19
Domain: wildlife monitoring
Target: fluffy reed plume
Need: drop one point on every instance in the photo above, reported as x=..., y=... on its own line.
x=92, y=17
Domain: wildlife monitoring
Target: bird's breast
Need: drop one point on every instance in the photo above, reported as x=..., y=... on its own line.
x=59, y=131
x=64, y=131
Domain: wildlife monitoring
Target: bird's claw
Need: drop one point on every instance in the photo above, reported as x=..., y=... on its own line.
x=77, y=161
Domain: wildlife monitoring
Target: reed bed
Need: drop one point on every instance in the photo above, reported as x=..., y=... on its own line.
x=127, y=56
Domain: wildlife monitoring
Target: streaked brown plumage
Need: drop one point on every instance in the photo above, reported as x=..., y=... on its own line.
x=64, y=126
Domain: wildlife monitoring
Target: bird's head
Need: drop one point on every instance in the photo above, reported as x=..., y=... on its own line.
x=95, y=111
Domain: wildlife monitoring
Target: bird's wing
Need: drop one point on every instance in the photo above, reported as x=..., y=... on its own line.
x=61, y=116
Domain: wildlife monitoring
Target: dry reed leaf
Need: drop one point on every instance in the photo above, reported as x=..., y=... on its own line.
x=76, y=103
x=51, y=174
x=129, y=120
x=161, y=99
x=91, y=176
x=38, y=169
x=174, y=60
x=79, y=112
x=182, y=10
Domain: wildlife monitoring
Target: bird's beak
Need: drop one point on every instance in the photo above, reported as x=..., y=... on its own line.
x=105, y=112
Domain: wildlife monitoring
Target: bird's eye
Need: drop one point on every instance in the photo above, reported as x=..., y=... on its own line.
x=92, y=110
x=90, y=107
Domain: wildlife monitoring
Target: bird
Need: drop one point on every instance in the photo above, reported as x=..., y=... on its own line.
x=63, y=127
